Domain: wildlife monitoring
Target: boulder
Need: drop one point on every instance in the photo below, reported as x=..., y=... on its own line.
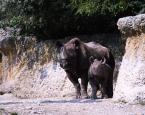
x=130, y=86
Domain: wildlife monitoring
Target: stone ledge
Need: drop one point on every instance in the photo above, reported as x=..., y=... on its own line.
x=132, y=25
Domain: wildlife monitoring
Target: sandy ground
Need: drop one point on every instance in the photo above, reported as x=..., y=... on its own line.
x=10, y=105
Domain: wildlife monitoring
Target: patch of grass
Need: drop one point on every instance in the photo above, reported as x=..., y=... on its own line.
x=14, y=113
x=5, y=112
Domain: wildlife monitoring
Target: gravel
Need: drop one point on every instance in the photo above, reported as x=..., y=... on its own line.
x=10, y=105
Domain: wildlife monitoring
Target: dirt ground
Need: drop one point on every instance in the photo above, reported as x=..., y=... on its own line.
x=9, y=105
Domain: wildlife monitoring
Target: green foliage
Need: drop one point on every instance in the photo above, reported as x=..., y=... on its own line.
x=65, y=17
x=114, y=7
x=84, y=7
x=12, y=22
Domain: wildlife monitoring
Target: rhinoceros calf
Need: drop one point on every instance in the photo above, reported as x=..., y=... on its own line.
x=100, y=75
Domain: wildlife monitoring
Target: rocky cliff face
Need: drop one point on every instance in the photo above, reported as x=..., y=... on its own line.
x=26, y=67
x=130, y=85
x=20, y=51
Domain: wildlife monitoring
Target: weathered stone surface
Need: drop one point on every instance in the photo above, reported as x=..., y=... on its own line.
x=27, y=70
x=43, y=81
x=132, y=25
x=130, y=85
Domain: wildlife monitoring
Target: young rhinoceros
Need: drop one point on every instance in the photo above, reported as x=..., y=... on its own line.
x=100, y=75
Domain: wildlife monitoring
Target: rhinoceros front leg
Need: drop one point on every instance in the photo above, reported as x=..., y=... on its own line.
x=84, y=86
x=94, y=87
x=76, y=84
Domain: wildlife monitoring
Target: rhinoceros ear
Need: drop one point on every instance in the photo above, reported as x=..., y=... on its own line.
x=77, y=43
x=91, y=59
x=58, y=46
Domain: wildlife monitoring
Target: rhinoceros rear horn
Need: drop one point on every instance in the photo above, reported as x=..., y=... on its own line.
x=103, y=60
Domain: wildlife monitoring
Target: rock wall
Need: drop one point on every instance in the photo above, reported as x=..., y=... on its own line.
x=130, y=85
x=27, y=69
